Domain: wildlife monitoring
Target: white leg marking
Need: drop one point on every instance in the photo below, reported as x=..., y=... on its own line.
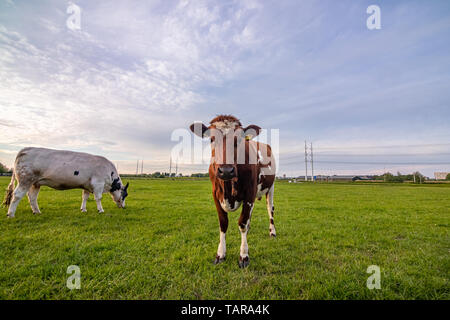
x=98, y=199
x=244, y=231
x=32, y=197
x=222, y=249
x=244, y=244
x=85, y=198
x=18, y=194
x=270, y=208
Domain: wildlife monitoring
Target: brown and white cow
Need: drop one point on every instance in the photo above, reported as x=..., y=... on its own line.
x=241, y=171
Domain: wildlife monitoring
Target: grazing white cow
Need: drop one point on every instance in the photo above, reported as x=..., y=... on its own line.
x=63, y=170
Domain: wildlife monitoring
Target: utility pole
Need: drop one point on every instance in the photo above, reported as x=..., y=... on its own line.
x=142, y=167
x=137, y=167
x=170, y=167
x=306, y=162
x=176, y=168
x=312, y=164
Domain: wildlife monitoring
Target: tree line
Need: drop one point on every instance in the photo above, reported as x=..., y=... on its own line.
x=159, y=174
x=4, y=169
x=415, y=177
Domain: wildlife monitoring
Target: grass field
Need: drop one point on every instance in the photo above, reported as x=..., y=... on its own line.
x=163, y=244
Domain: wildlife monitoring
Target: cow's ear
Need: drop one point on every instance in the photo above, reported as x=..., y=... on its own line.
x=251, y=131
x=199, y=129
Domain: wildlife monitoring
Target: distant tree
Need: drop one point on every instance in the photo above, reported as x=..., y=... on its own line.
x=447, y=177
x=3, y=168
x=418, y=177
x=157, y=174
x=389, y=177
x=200, y=175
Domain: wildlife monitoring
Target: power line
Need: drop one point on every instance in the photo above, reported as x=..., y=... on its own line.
x=312, y=164
x=372, y=163
x=311, y=160
x=387, y=146
x=306, y=162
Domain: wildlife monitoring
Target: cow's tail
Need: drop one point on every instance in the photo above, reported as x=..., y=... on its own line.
x=9, y=191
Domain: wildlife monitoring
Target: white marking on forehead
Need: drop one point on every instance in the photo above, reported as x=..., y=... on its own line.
x=226, y=125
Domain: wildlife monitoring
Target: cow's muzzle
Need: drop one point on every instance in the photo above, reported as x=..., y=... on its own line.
x=226, y=172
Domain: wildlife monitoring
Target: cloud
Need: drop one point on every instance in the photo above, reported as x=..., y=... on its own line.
x=138, y=70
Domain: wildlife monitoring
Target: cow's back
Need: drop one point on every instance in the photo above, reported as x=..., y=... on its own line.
x=264, y=156
x=60, y=169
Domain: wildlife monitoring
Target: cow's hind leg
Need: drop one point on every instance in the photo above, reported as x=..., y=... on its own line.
x=270, y=210
x=33, y=193
x=85, y=198
x=20, y=191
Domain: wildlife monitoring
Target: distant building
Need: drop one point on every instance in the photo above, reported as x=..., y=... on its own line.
x=6, y=174
x=343, y=178
x=441, y=175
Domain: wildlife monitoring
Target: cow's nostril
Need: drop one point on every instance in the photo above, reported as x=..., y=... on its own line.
x=220, y=170
x=232, y=169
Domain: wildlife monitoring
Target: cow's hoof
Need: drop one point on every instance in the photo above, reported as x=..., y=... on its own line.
x=218, y=260
x=273, y=235
x=101, y=211
x=243, y=262
x=10, y=216
x=36, y=212
x=83, y=210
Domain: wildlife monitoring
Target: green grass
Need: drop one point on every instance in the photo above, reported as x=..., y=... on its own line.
x=162, y=246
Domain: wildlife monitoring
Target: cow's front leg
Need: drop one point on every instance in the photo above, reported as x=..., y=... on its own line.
x=223, y=223
x=244, y=225
x=85, y=198
x=98, y=194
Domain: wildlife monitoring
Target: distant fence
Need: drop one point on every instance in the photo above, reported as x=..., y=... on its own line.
x=7, y=174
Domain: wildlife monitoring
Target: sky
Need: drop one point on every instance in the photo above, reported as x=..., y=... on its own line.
x=370, y=101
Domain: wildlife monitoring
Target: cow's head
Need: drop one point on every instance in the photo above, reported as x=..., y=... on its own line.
x=119, y=192
x=227, y=138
